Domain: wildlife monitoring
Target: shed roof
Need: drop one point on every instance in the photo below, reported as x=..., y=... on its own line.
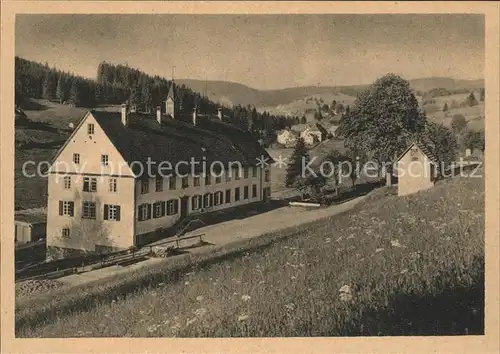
x=32, y=219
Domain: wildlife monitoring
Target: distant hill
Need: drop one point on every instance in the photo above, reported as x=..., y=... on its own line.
x=234, y=93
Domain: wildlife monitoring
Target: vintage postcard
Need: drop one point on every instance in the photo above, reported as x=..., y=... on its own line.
x=304, y=177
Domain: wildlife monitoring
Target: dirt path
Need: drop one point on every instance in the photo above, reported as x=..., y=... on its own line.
x=225, y=233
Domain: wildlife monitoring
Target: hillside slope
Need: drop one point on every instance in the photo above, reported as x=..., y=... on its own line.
x=395, y=266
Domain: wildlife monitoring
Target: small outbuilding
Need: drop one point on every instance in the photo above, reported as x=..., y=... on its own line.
x=417, y=169
x=29, y=228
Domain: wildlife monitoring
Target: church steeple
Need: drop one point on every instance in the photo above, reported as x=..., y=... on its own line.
x=170, y=101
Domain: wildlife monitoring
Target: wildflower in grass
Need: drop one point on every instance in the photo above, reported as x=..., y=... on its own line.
x=404, y=271
x=290, y=307
x=200, y=312
x=345, y=293
x=199, y=298
x=351, y=236
x=153, y=328
x=262, y=282
x=395, y=243
x=161, y=284
x=186, y=283
x=328, y=240
x=379, y=250
x=293, y=277
x=190, y=321
x=245, y=297
x=153, y=293
x=243, y=317
x=339, y=239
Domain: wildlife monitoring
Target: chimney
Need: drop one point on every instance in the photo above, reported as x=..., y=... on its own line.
x=195, y=114
x=219, y=113
x=158, y=114
x=124, y=114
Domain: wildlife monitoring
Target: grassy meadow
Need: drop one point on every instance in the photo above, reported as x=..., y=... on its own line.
x=393, y=266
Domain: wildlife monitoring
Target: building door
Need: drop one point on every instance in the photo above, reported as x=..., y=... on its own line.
x=184, y=206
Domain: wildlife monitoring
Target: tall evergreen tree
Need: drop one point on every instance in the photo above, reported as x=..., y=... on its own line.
x=471, y=100
x=75, y=92
x=299, y=158
x=481, y=97
x=445, y=107
x=60, y=90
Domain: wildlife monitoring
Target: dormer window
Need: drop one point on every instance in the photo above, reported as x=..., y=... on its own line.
x=90, y=128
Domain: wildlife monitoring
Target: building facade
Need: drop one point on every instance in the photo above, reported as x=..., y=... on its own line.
x=287, y=138
x=417, y=169
x=103, y=195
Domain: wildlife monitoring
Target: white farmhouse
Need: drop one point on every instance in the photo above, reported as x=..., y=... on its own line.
x=101, y=200
x=287, y=138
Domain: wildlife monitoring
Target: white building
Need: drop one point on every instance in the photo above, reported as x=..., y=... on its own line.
x=311, y=135
x=287, y=138
x=100, y=200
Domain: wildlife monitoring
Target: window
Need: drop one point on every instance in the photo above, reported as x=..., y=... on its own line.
x=218, y=198
x=207, y=200
x=111, y=212
x=88, y=210
x=254, y=191
x=228, y=196
x=172, y=207
x=144, y=212
x=228, y=176
x=245, y=192
x=185, y=182
x=254, y=171
x=237, y=194
x=76, y=158
x=208, y=180
x=196, y=202
x=65, y=233
x=218, y=179
x=144, y=187
x=414, y=154
x=89, y=184
x=159, y=184
x=67, y=182
x=66, y=208
x=112, y=184
x=104, y=160
x=196, y=181
x=90, y=128
x=158, y=209
x=245, y=172
x=172, y=183
x=237, y=174
x=267, y=175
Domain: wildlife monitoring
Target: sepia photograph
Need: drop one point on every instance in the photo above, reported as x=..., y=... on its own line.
x=222, y=175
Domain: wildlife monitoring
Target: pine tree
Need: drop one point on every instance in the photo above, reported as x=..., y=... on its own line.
x=299, y=157
x=75, y=93
x=60, y=92
x=481, y=97
x=471, y=100
x=445, y=107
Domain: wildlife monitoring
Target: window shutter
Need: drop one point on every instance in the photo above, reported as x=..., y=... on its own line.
x=60, y=207
x=106, y=211
x=72, y=208
x=163, y=207
x=149, y=211
x=117, y=213
x=193, y=199
x=211, y=199
x=140, y=212
x=176, y=206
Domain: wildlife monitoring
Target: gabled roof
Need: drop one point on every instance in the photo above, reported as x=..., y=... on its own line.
x=432, y=158
x=175, y=140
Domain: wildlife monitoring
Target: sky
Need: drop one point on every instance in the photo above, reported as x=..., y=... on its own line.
x=261, y=51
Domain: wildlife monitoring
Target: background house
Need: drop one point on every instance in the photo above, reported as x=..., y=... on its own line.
x=287, y=138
